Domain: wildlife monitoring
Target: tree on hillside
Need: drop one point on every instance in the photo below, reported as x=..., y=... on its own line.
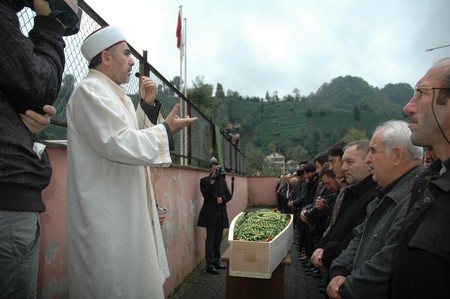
x=296, y=94
x=272, y=148
x=347, y=92
x=354, y=134
x=297, y=153
x=314, y=123
x=220, y=94
x=365, y=105
x=221, y=115
x=356, y=114
x=275, y=97
x=176, y=81
x=201, y=96
x=399, y=93
x=271, y=169
x=289, y=98
x=323, y=111
x=232, y=94
x=255, y=160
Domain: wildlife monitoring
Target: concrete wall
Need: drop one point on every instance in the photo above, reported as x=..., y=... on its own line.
x=176, y=188
x=261, y=191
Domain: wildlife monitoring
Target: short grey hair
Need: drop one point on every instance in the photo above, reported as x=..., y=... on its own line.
x=396, y=133
x=361, y=145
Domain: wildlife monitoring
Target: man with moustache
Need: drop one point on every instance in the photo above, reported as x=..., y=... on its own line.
x=363, y=269
x=422, y=260
x=362, y=190
x=115, y=246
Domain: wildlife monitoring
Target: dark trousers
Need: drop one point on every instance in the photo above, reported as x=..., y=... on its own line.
x=213, y=240
x=302, y=229
x=19, y=254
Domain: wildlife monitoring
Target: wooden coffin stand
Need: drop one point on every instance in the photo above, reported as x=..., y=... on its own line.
x=256, y=269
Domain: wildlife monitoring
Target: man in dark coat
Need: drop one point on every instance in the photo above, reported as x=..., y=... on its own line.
x=422, y=261
x=30, y=77
x=213, y=215
x=362, y=189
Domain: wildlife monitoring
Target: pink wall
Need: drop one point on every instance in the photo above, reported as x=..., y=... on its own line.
x=261, y=191
x=52, y=276
x=177, y=189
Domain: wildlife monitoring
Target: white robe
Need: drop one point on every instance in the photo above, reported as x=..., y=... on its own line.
x=115, y=246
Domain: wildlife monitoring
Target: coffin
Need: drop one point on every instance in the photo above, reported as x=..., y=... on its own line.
x=258, y=259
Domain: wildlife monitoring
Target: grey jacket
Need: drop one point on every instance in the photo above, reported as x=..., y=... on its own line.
x=367, y=260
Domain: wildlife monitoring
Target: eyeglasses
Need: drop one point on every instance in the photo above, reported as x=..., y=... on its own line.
x=419, y=90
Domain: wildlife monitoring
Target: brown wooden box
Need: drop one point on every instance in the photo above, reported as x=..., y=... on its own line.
x=258, y=259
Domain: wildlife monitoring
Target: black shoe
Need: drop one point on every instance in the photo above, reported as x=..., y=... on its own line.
x=212, y=271
x=220, y=267
x=308, y=265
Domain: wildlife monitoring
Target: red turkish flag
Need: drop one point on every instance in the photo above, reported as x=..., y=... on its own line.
x=178, y=33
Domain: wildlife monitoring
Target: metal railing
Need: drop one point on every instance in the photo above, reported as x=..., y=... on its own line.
x=193, y=146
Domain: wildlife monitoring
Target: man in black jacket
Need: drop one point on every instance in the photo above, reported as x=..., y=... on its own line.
x=421, y=266
x=213, y=215
x=30, y=77
x=305, y=197
x=352, y=212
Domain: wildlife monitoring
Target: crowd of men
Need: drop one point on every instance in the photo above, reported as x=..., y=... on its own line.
x=371, y=216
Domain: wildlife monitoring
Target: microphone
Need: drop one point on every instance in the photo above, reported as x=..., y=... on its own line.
x=137, y=74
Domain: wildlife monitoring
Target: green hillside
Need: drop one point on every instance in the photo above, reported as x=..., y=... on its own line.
x=299, y=123
x=314, y=122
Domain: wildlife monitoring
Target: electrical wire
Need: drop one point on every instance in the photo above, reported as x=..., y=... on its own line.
x=435, y=118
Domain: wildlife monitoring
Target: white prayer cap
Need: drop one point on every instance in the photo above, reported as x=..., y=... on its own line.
x=100, y=40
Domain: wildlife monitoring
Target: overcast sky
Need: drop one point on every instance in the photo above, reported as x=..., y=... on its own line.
x=254, y=46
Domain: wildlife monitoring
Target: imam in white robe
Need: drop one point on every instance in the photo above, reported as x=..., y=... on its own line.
x=115, y=246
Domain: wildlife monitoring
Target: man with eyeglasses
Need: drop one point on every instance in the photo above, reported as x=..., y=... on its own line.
x=422, y=261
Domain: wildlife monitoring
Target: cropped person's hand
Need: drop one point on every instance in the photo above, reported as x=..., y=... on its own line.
x=333, y=287
x=303, y=216
x=42, y=8
x=36, y=122
x=162, y=218
x=148, y=90
x=316, y=259
x=177, y=123
x=320, y=203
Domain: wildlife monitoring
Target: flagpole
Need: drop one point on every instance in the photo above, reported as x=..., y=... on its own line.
x=185, y=58
x=182, y=113
x=185, y=90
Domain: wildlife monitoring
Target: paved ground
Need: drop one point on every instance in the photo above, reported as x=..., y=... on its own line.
x=201, y=285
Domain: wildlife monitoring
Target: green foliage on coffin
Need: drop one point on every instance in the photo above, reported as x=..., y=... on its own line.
x=261, y=225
